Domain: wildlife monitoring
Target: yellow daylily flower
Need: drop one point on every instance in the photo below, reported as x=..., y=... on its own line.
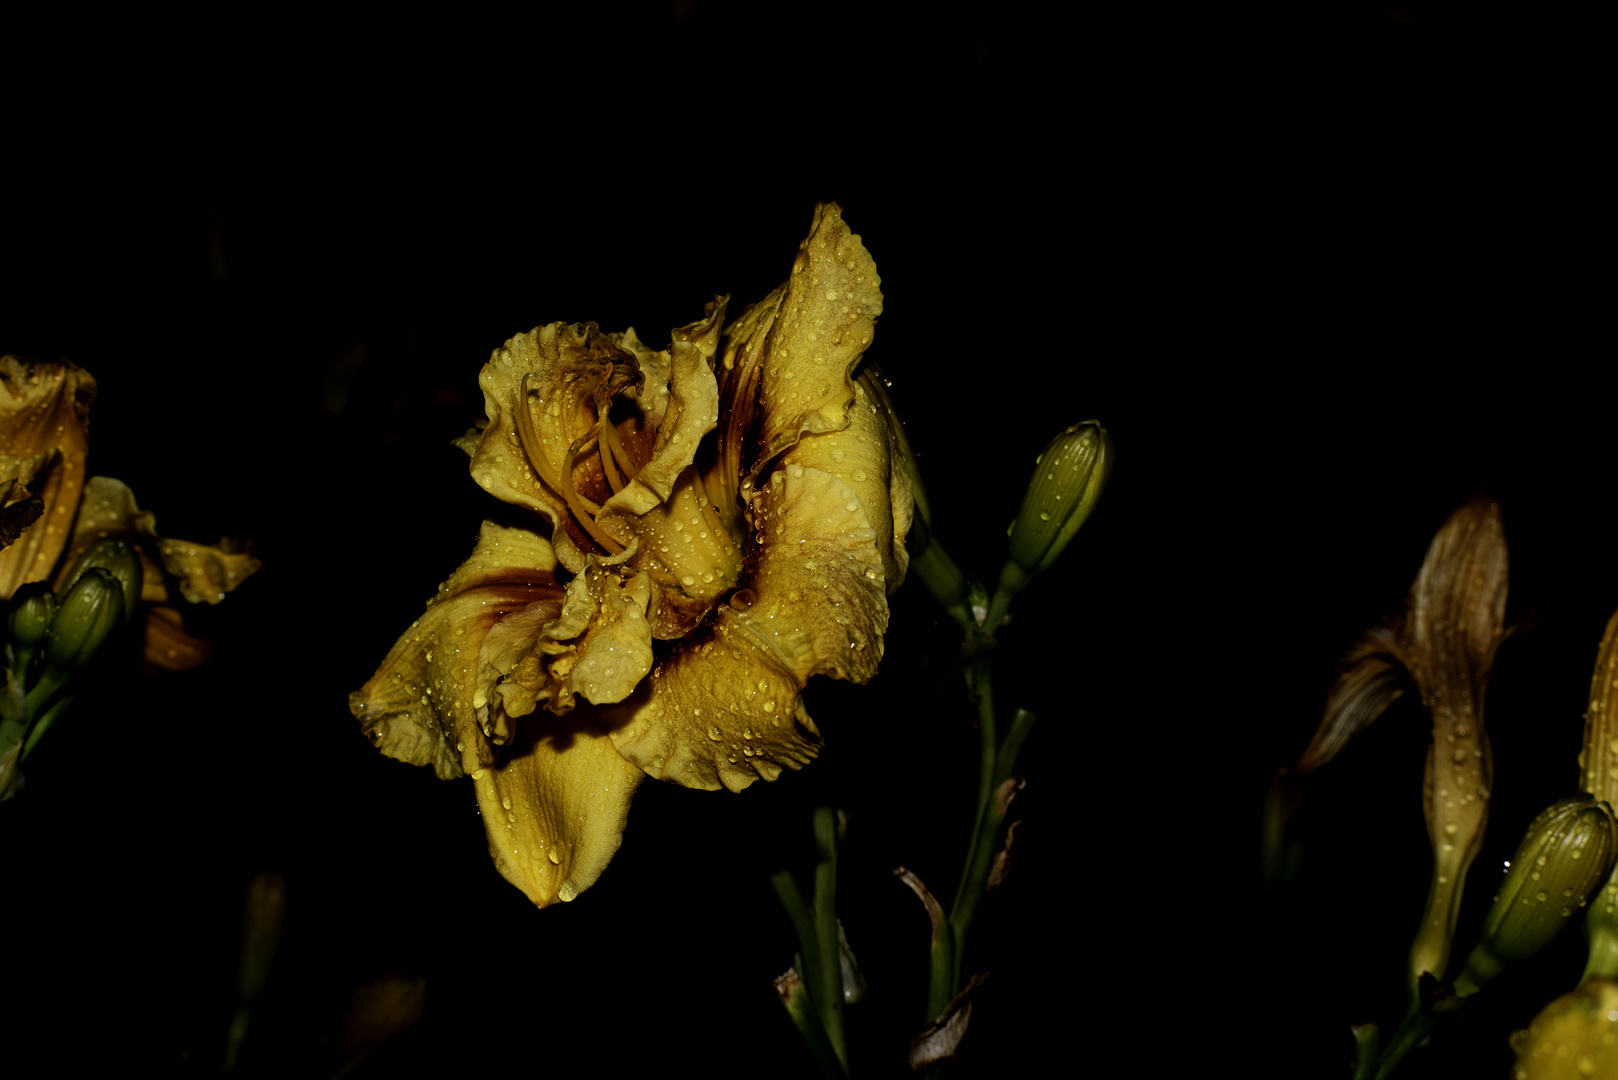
x=44, y=425
x=727, y=519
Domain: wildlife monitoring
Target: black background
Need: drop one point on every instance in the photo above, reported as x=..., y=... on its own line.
x=1323, y=279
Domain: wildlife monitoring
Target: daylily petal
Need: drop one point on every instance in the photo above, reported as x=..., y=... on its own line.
x=43, y=407
x=684, y=545
x=723, y=710
x=599, y=647
x=204, y=572
x=806, y=337
x=543, y=392
x=555, y=809
x=418, y=707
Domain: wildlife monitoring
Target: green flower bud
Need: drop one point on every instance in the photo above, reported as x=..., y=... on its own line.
x=1566, y=856
x=33, y=610
x=119, y=559
x=90, y=610
x=1067, y=481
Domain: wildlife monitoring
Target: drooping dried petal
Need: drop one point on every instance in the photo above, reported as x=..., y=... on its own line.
x=43, y=407
x=1371, y=678
x=943, y=1038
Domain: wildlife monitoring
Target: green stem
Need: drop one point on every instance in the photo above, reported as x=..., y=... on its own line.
x=829, y=1001
x=1366, y=1043
x=238, y=1032
x=43, y=724
x=942, y=980
x=50, y=681
x=966, y=897
x=803, y=922
x=796, y=998
x=1409, y=1035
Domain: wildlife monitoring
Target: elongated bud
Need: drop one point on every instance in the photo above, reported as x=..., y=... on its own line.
x=33, y=610
x=1068, y=478
x=1566, y=856
x=118, y=559
x=90, y=611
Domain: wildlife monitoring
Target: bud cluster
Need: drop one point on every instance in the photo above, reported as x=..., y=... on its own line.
x=51, y=640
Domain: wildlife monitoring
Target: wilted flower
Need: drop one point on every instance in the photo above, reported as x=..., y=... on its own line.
x=710, y=576
x=1444, y=642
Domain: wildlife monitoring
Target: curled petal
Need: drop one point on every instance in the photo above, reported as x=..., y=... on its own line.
x=723, y=710
x=418, y=707
x=556, y=806
x=43, y=407
x=1371, y=679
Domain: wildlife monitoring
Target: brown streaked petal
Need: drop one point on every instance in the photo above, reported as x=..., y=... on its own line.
x=419, y=704
x=821, y=325
x=555, y=808
x=561, y=375
x=44, y=407
x=1598, y=763
x=723, y=710
x=1370, y=679
x=740, y=374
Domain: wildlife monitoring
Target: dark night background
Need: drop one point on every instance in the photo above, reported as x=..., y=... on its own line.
x=1320, y=277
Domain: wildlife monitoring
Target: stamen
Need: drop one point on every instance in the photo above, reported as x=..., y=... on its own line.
x=529, y=438
x=620, y=454
x=583, y=509
x=709, y=515
x=602, y=444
